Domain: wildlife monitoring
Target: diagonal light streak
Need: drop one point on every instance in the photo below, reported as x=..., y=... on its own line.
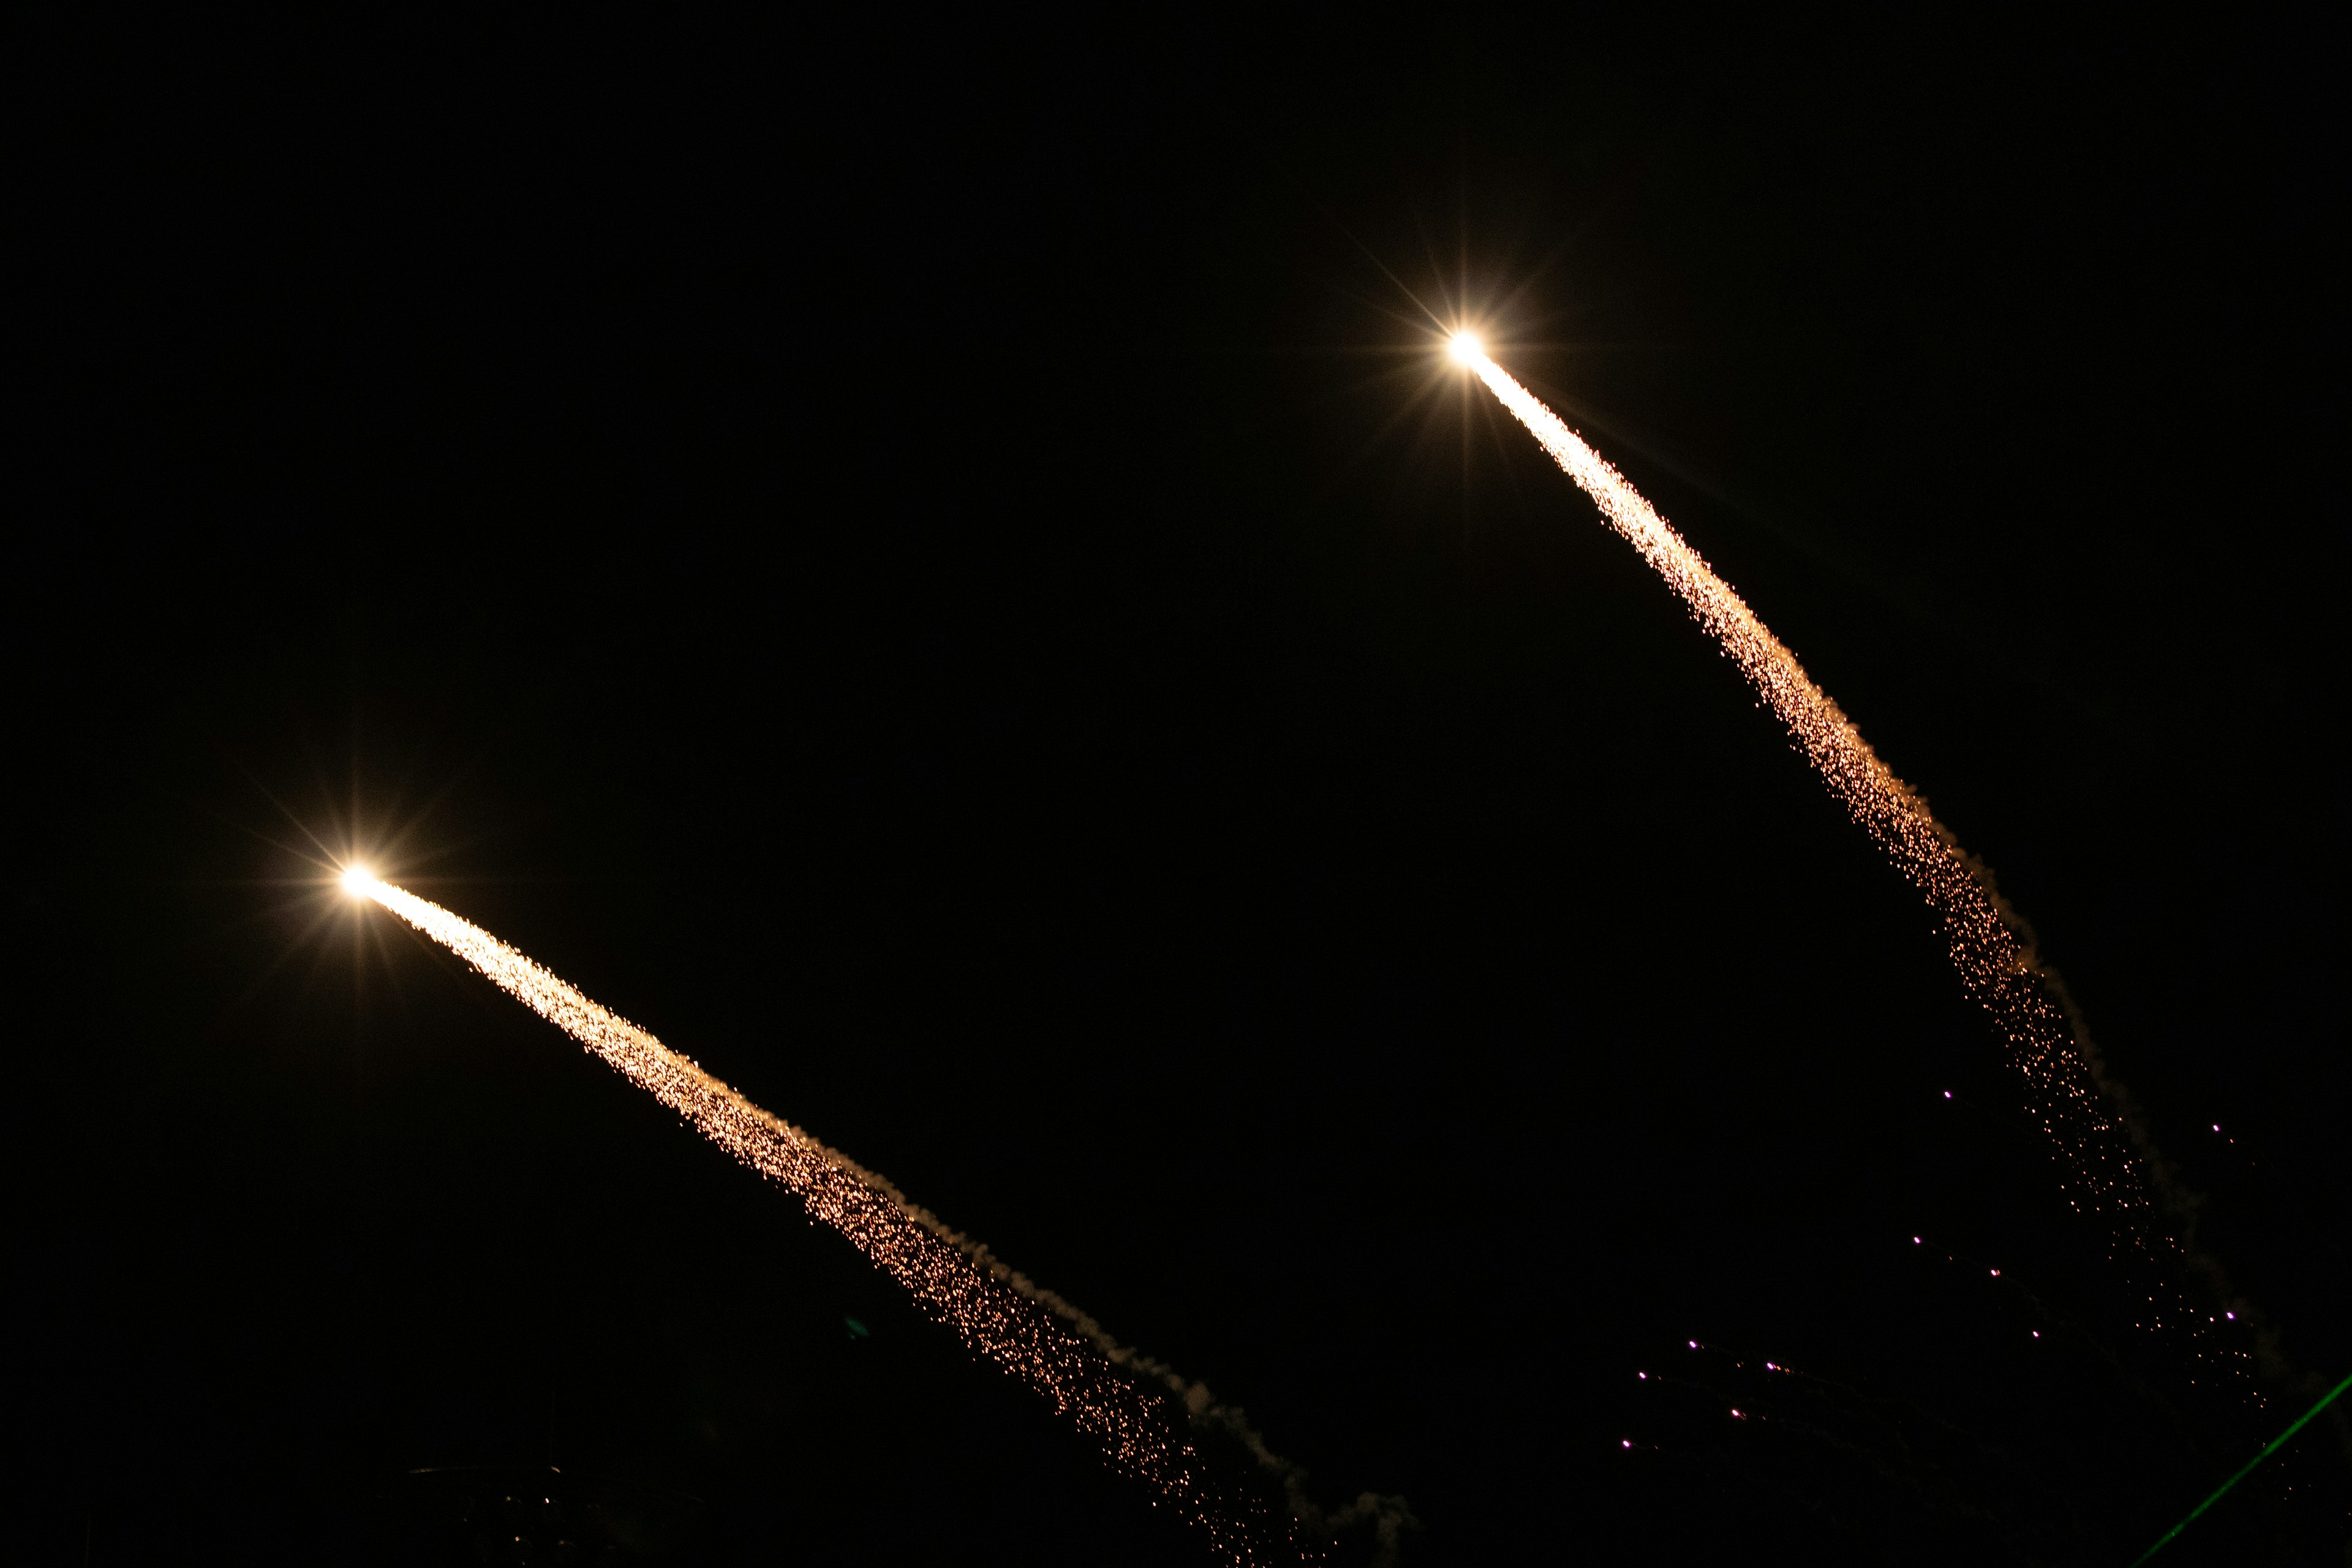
x=2243, y=1470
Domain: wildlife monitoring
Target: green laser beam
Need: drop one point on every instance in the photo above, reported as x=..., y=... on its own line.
x=2276, y=1443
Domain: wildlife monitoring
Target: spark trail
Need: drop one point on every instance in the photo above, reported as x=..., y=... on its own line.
x=1137, y=1410
x=2098, y=1169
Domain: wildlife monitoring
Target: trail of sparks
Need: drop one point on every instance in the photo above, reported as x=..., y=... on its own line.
x=1137, y=1409
x=2098, y=1170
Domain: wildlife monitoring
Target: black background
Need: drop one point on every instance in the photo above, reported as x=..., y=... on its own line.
x=941, y=571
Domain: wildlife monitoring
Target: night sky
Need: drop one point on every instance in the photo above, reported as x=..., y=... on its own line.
x=941, y=571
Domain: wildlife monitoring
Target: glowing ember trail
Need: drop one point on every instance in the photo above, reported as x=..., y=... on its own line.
x=2098, y=1170
x=1137, y=1409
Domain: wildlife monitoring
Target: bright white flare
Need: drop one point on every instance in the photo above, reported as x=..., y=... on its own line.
x=1136, y=1408
x=1465, y=347
x=358, y=881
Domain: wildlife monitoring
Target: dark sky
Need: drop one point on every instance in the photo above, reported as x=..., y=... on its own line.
x=939, y=570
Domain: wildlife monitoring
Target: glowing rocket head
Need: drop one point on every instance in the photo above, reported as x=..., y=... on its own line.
x=1465, y=347
x=358, y=881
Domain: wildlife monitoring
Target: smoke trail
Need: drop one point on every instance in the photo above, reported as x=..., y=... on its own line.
x=1137, y=1408
x=2099, y=1170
